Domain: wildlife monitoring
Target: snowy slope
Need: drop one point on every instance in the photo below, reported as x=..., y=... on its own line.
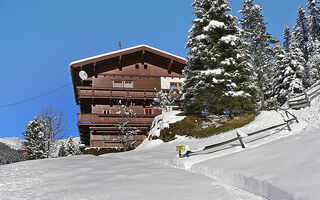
x=97, y=177
x=13, y=142
x=276, y=164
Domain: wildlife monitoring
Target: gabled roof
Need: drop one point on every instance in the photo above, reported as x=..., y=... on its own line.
x=125, y=57
x=77, y=62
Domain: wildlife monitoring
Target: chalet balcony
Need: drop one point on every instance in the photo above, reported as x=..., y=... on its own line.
x=113, y=120
x=116, y=93
x=112, y=140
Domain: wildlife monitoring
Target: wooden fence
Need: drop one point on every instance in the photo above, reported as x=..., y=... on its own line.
x=239, y=137
x=303, y=100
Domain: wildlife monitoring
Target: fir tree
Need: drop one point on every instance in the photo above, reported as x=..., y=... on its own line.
x=287, y=37
x=35, y=140
x=259, y=44
x=294, y=68
x=71, y=147
x=300, y=30
x=281, y=61
x=62, y=151
x=300, y=34
x=313, y=20
x=216, y=78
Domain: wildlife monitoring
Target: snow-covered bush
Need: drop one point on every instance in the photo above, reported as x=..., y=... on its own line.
x=165, y=99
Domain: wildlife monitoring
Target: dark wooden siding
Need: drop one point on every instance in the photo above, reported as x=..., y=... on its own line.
x=138, y=82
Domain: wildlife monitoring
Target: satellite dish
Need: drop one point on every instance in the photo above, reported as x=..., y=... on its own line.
x=83, y=75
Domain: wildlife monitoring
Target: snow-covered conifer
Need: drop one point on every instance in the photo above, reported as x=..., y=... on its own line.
x=72, y=148
x=254, y=33
x=35, y=140
x=62, y=151
x=300, y=30
x=216, y=75
x=294, y=70
x=281, y=61
x=300, y=34
x=287, y=37
x=313, y=21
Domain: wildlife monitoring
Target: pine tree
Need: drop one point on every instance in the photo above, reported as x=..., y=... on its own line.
x=71, y=147
x=313, y=20
x=300, y=33
x=314, y=62
x=259, y=45
x=287, y=37
x=35, y=140
x=216, y=78
x=282, y=60
x=294, y=68
x=62, y=151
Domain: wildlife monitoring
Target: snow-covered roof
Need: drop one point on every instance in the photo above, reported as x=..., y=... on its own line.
x=123, y=50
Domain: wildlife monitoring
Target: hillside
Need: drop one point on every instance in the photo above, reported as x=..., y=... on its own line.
x=276, y=164
x=13, y=142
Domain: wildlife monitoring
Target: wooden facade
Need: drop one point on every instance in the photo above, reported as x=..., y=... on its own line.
x=130, y=76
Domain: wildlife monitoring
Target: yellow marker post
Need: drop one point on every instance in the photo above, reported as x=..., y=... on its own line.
x=179, y=148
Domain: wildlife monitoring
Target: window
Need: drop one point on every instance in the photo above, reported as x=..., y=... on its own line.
x=117, y=84
x=123, y=84
x=106, y=112
x=137, y=66
x=175, y=85
x=145, y=66
x=148, y=111
x=128, y=84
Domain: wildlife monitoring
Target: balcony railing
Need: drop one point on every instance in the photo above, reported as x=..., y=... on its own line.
x=114, y=93
x=102, y=119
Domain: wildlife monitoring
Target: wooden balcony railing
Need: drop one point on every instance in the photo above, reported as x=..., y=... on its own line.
x=114, y=93
x=101, y=119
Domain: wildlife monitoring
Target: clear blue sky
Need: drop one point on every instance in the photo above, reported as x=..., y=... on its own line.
x=38, y=40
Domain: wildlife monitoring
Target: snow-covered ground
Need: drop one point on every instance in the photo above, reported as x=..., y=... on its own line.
x=13, y=142
x=276, y=164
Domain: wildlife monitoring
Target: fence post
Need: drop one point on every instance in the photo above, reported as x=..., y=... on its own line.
x=306, y=96
x=240, y=139
x=287, y=123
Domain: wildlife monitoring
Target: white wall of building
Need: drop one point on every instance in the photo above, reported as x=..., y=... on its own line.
x=165, y=81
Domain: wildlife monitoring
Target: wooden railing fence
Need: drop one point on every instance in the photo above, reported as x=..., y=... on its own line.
x=240, y=137
x=303, y=100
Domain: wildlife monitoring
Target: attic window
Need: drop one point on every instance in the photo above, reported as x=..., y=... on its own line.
x=145, y=66
x=128, y=84
x=137, y=66
x=117, y=84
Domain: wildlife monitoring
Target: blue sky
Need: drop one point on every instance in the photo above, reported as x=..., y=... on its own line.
x=38, y=40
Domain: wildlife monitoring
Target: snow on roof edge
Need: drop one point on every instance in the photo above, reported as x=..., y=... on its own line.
x=122, y=50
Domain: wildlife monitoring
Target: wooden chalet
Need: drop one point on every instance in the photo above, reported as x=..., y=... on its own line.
x=129, y=76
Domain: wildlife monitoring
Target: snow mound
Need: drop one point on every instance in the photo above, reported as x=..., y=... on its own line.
x=160, y=122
